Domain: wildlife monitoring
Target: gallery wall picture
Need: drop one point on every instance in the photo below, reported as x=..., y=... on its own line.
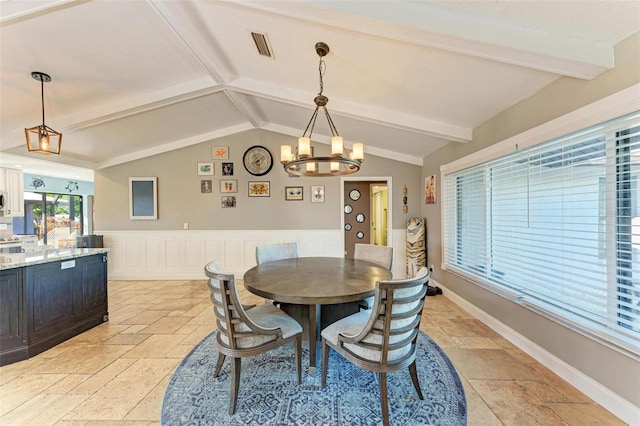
x=430, y=190
x=317, y=193
x=293, y=193
x=228, y=185
x=228, y=201
x=205, y=169
x=220, y=152
x=227, y=169
x=259, y=188
x=205, y=186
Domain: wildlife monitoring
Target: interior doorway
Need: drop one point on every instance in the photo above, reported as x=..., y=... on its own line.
x=366, y=212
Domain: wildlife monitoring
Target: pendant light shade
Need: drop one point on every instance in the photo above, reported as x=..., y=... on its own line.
x=42, y=138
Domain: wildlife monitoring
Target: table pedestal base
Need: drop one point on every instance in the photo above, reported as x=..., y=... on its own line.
x=309, y=316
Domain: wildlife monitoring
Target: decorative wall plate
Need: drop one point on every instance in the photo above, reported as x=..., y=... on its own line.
x=348, y=209
x=354, y=194
x=360, y=218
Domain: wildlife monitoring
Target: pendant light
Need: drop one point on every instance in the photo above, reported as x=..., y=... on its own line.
x=43, y=139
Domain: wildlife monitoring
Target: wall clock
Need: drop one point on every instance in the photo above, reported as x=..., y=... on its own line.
x=257, y=160
x=354, y=194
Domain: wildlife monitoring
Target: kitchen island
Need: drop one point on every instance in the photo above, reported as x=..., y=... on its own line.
x=49, y=296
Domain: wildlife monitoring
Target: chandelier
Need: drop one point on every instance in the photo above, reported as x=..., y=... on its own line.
x=43, y=139
x=302, y=162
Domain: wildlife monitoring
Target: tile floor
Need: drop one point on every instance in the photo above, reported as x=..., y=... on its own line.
x=116, y=373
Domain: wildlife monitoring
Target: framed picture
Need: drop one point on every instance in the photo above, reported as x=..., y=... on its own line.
x=227, y=169
x=228, y=201
x=317, y=193
x=143, y=198
x=259, y=188
x=293, y=193
x=228, y=185
x=430, y=190
x=220, y=152
x=205, y=186
x=205, y=169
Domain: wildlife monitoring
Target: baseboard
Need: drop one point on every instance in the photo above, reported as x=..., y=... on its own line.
x=611, y=401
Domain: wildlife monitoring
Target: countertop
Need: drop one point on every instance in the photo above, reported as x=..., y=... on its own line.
x=18, y=260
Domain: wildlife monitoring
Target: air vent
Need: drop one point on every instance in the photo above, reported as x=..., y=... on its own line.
x=262, y=44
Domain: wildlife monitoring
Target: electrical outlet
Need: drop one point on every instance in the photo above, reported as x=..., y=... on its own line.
x=431, y=268
x=186, y=225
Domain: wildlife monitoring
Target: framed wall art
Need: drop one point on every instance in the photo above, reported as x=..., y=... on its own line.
x=143, y=198
x=228, y=201
x=259, y=188
x=205, y=169
x=293, y=193
x=430, y=190
x=205, y=186
x=228, y=185
x=227, y=169
x=317, y=193
x=220, y=152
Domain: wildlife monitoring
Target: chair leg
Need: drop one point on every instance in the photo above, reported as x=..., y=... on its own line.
x=384, y=404
x=298, y=343
x=325, y=362
x=235, y=384
x=221, y=358
x=413, y=370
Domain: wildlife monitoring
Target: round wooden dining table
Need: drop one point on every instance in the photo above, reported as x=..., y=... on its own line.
x=315, y=289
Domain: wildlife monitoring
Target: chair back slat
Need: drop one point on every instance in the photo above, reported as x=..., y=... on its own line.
x=236, y=330
x=390, y=335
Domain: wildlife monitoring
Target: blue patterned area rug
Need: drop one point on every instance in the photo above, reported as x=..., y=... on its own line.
x=269, y=394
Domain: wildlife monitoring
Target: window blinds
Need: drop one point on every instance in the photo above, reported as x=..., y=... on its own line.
x=556, y=227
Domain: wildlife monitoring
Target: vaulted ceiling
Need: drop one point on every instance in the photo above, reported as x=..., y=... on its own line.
x=136, y=78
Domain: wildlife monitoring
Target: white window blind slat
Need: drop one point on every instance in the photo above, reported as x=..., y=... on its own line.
x=557, y=225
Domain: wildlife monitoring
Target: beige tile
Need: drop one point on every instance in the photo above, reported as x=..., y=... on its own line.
x=155, y=346
x=127, y=339
x=71, y=381
x=167, y=325
x=489, y=364
x=147, y=317
x=112, y=403
x=513, y=404
x=569, y=392
x=464, y=327
x=84, y=359
x=478, y=412
x=42, y=410
x=475, y=342
x=11, y=371
x=24, y=388
x=104, y=376
x=151, y=405
x=585, y=414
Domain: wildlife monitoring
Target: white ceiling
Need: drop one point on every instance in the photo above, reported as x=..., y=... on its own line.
x=136, y=78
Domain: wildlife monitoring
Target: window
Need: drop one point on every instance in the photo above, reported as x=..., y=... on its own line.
x=556, y=227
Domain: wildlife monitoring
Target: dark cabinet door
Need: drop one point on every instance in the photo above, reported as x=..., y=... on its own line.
x=91, y=286
x=65, y=298
x=12, y=312
x=50, y=295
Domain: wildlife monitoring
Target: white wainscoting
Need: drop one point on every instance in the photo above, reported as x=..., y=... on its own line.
x=182, y=255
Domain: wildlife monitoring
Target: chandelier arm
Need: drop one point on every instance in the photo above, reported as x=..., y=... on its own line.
x=312, y=123
x=334, y=131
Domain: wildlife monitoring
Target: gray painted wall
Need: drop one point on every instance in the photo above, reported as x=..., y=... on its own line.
x=614, y=370
x=180, y=200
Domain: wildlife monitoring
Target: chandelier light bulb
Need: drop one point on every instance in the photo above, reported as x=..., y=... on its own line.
x=304, y=147
x=358, y=151
x=336, y=145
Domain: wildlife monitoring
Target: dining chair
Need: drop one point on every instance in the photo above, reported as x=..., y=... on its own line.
x=243, y=333
x=380, y=255
x=383, y=339
x=278, y=251
x=272, y=252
